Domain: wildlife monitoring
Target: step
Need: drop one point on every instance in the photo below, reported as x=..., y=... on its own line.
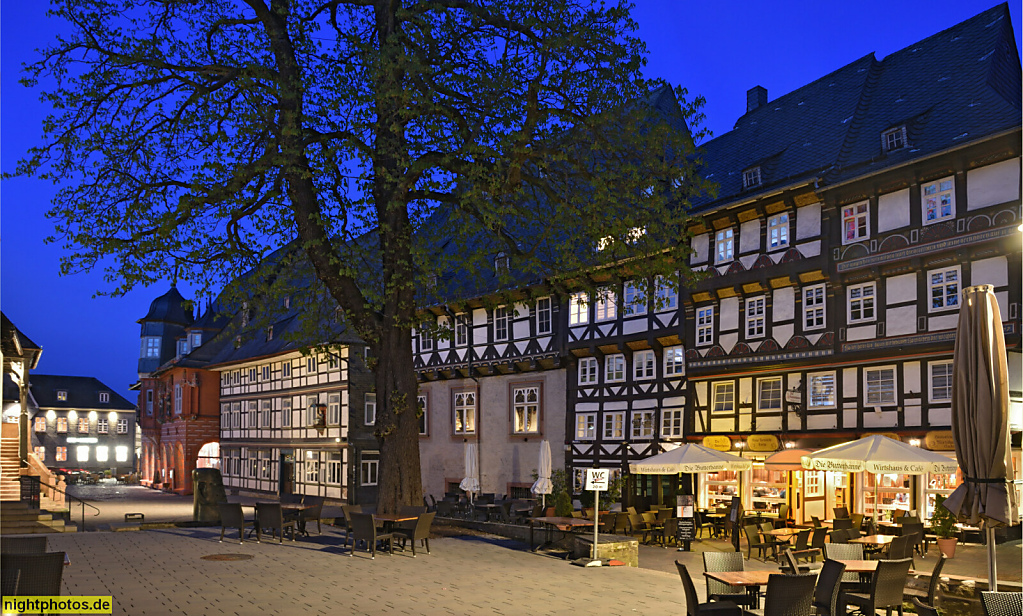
x=24, y=516
x=16, y=528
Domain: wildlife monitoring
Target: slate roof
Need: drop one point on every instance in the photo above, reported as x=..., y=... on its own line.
x=169, y=308
x=15, y=343
x=82, y=393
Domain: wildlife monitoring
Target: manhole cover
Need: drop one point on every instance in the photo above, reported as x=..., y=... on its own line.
x=227, y=557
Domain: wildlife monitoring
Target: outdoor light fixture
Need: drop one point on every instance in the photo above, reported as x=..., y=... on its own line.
x=789, y=445
x=112, y=416
x=915, y=442
x=72, y=415
x=50, y=415
x=92, y=415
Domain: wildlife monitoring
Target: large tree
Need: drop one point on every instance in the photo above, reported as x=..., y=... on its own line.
x=388, y=140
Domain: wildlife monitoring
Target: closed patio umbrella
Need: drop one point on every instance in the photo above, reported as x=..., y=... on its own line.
x=543, y=485
x=980, y=419
x=471, y=482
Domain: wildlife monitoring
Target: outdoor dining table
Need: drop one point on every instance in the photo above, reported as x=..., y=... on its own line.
x=294, y=511
x=551, y=523
x=388, y=520
x=750, y=580
x=488, y=508
x=874, y=540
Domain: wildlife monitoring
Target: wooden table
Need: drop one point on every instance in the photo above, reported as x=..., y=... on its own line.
x=294, y=510
x=874, y=540
x=859, y=566
x=784, y=532
x=750, y=580
x=551, y=523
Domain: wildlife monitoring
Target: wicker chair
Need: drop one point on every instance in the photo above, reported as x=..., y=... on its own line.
x=886, y=586
x=753, y=541
x=922, y=609
x=816, y=521
x=445, y=509
x=348, y=510
x=839, y=536
x=915, y=528
x=932, y=585
x=419, y=532
x=621, y=524
x=790, y=595
x=669, y=531
x=38, y=574
x=790, y=565
x=23, y=545
x=841, y=512
x=1001, y=603
x=9, y=579
x=901, y=547
x=819, y=538
x=313, y=511
x=829, y=585
x=271, y=516
x=693, y=605
x=719, y=591
x=364, y=529
x=654, y=527
x=701, y=524
x=845, y=551
x=842, y=524
x=231, y=516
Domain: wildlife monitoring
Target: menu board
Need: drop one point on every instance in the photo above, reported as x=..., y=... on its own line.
x=686, y=529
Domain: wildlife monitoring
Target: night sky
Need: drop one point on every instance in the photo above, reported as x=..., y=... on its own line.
x=717, y=49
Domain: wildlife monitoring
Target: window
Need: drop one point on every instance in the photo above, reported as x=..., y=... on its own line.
x=543, y=315
x=724, y=246
x=526, y=410
x=944, y=284
x=578, y=309
x=312, y=471
x=102, y=453
x=62, y=425
x=286, y=412
x=501, y=323
x=122, y=426
x=83, y=425
x=40, y=453
x=236, y=413
x=778, y=231
x=370, y=409
x=643, y=365
x=607, y=308
x=425, y=339
x=941, y=381
x=704, y=326
x=225, y=416
x=252, y=375
x=313, y=413
x=813, y=306
x=333, y=361
x=61, y=454
x=310, y=365
x=102, y=426
x=635, y=300
x=252, y=415
x=938, y=200
x=501, y=263
x=667, y=296
x=751, y=177
x=369, y=466
x=265, y=407
x=269, y=333
x=82, y=453
x=588, y=371
x=177, y=398
x=769, y=394
x=334, y=469
x=755, y=309
x=724, y=398
x=586, y=426
x=149, y=402
x=855, y=222
x=465, y=412
x=182, y=347
x=424, y=424
x=121, y=453
x=104, y=397
x=614, y=425
x=461, y=330
x=266, y=373
x=196, y=340
x=614, y=368
x=880, y=386
x=334, y=410
x=286, y=369
x=822, y=390
x=674, y=360
x=671, y=423
x=642, y=424
x=150, y=346
x=61, y=395
x=263, y=461
x=861, y=302
x=40, y=424
x=893, y=139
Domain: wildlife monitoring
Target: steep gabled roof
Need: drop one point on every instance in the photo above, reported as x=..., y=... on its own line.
x=16, y=344
x=82, y=393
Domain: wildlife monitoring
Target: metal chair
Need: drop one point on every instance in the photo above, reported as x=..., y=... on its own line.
x=719, y=591
x=271, y=516
x=39, y=575
x=1001, y=603
x=886, y=586
x=693, y=605
x=829, y=585
x=790, y=595
x=231, y=516
x=932, y=585
x=419, y=532
x=364, y=529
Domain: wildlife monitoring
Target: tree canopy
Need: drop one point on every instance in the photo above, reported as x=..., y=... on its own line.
x=391, y=141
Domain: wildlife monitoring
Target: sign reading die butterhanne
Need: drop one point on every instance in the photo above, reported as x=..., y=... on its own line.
x=597, y=479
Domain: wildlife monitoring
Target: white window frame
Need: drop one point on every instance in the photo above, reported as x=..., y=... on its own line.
x=751, y=177
x=857, y=298
x=635, y=300
x=461, y=330
x=814, y=307
x=859, y=215
x=544, y=318
x=286, y=412
x=822, y=390
x=265, y=372
x=724, y=246
x=775, y=384
x=671, y=422
x=932, y=388
x=62, y=425
x=60, y=454
x=526, y=409
x=644, y=365
x=150, y=346
x=104, y=396
x=614, y=368
x=423, y=403
x=722, y=399
x=941, y=196
x=83, y=422
x=102, y=426
x=502, y=323
x=878, y=388
x=177, y=398
x=369, y=409
x=40, y=453
x=39, y=424
x=579, y=309
x=778, y=231
x=607, y=306
x=183, y=347
x=588, y=371
x=286, y=369
x=894, y=139
x=585, y=426
x=463, y=419
x=643, y=424
x=667, y=294
x=369, y=468
x=253, y=375
x=614, y=426
x=943, y=291
x=252, y=414
x=674, y=360
x=334, y=473
x=756, y=317
x=425, y=339
x=705, y=326
x=311, y=365
x=265, y=413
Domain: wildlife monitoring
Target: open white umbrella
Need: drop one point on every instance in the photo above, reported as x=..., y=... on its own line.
x=471, y=482
x=543, y=485
x=690, y=458
x=980, y=419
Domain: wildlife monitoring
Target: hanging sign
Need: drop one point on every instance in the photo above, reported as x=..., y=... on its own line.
x=935, y=440
x=718, y=442
x=762, y=442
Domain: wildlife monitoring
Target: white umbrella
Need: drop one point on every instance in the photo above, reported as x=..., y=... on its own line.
x=471, y=482
x=786, y=460
x=543, y=485
x=690, y=458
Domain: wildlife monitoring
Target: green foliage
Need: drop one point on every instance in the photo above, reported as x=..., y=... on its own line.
x=563, y=504
x=943, y=521
x=608, y=497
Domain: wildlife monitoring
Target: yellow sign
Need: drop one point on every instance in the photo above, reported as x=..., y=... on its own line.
x=939, y=440
x=762, y=442
x=721, y=443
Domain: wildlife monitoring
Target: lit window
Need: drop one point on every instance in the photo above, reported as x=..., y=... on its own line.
x=102, y=426
x=822, y=390
x=370, y=409
x=614, y=368
x=723, y=398
x=880, y=386
x=526, y=410
x=944, y=284
x=150, y=346
x=938, y=200
x=813, y=306
x=861, y=302
x=121, y=453
x=642, y=424
x=82, y=453
x=62, y=425
x=769, y=394
x=102, y=453
x=196, y=340
x=756, y=308
x=465, y=412
x=578, y=309
x=334, y=469
x=501, y=318
x=606, y=309
x=40, y=453
x=778, y=231
x=61, y=395
x=643, y=365
x=424, y=423
x=586, y=426
x=635, y=300
x=751, y=177
x=83, y=425
x=122, y=426
x=671, y=423
x=61, y=454
x=312, y=471
x=614, y=425
x=855, y=222
x=588, y=371
x=461, y=330
x=941, y=381
x=894, y=139
x=543, y=315
x=667, y=296
x=724, y=245
x=40, y=424
x=704, y=326
x=104, y=396
x=369, y=466
x=182, y=347
x=674, y=360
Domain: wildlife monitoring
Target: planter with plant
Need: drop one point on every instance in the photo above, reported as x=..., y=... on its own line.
x=943, y=524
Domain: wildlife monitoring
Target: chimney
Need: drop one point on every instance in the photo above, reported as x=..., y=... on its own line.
x=755, y=97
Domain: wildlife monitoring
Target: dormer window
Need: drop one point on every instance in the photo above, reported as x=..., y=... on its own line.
x=196, y=340
x=431, y=280
x=894, y=139
x=62, y=395
x=104, y=396
x=603, y=243
x=270, y=333
x=182, y=347
x=287, y=302
x=501, y=263
x=751, y=177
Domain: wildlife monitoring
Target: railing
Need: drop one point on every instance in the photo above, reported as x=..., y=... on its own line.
x=82, y=502
x=46, y=476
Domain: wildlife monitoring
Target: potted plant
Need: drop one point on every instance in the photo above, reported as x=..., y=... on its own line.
x=943, y=523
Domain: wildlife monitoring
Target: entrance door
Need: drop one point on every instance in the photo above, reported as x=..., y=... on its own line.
x=287, y=483
x=814, y=495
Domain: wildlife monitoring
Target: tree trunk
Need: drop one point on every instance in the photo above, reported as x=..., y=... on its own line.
x=400, y=482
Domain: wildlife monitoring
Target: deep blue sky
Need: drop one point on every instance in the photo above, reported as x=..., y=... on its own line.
x=717, y=49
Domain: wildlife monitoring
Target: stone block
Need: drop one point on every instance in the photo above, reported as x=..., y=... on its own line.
x=617, y=547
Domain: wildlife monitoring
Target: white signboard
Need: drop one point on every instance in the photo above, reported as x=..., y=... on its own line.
x=597, y=478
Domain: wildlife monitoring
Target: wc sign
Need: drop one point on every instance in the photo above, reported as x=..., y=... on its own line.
x=597, y=478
